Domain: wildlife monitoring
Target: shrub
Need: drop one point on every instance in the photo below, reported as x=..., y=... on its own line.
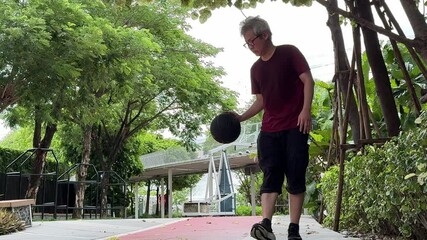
x=385, y=187
x=247, y=211
x=7, y=156
x=9, y=223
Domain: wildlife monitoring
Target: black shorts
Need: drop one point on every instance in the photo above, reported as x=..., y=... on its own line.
x=281, y=154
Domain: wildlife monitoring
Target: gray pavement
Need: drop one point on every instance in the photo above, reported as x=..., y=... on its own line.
x=310, y=229
x=85, y=229
x=113, y=229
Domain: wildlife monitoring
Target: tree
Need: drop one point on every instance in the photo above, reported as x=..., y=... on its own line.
x=47, y=61
x=111, y=69
x=379, y=70
x=418, y=23
x=343, y=72
x=178, y=91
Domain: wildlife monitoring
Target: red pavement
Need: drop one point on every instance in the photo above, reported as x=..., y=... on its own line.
x=206, y=228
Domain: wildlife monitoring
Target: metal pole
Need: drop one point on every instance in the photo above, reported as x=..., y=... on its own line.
x=136, y=189
x=253, y=192
x=170, y=193
x=162, y=198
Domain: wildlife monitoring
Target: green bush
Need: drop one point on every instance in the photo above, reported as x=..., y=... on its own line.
x=247, y=211
x=177, y=214
x=7, y=156
x=9, y=223
x=385, y=187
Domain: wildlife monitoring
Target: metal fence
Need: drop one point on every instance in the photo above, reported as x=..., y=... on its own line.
x=248, y=136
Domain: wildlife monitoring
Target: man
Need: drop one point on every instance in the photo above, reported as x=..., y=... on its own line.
x=283, y=85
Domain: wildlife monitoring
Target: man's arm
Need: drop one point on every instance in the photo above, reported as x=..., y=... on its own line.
x=304, y=118
x=255, y=108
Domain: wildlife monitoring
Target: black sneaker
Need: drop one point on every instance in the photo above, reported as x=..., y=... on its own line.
x=261, y=232
x=293, y=232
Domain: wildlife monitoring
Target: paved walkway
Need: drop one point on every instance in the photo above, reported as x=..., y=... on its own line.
x=197, y=228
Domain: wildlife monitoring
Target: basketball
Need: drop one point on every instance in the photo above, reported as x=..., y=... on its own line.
x=225, y=127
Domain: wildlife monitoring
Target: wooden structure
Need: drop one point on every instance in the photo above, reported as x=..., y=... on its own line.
x=349, y=86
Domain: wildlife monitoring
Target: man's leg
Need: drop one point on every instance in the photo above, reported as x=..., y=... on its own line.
x=295, y=207
x=263, y=230
x=268, y=204
x=270, y=162
x=296, y=170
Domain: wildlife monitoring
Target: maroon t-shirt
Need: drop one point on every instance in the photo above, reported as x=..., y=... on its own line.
x=277, y=80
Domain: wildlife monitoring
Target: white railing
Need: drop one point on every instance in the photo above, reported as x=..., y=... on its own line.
x=248, y=137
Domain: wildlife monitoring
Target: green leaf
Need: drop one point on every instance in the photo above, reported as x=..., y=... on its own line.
x=422, y=178
x=316, y=137
x=325, y=85
x=194, y=15
x=205, y=14
x=421, y=166
x=410, y=176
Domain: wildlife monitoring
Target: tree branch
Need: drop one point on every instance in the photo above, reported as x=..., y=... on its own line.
x=143, y=124
x=364, y=23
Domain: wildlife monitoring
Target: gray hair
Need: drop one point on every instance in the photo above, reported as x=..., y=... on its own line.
x=255, y=24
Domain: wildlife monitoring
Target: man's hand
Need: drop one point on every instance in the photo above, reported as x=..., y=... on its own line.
x=304, y=121
x=238, y=116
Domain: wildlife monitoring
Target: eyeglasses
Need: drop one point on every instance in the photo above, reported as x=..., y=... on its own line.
x=250, y=43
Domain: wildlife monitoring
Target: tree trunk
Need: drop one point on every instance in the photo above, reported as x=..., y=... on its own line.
x=379, y=70
x=82, y=175
x=418, y=24
x=111, y=148
x=37, y=135
x=105, y=181
x=342, y=68
x=7, y=96
x=39, y=162
x=107, y=163
x=98, y=154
